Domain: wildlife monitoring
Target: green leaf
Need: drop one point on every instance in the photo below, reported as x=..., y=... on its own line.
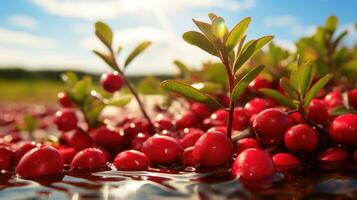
x=236, y=34
x=207, y=31
x=291, y=92
x=69, y=78
x=199, y=40
x=208, y=87
x=316, y=88
x=82, y=88
x=242, y=84
x=184, y=70
x=219, y=28
x=140, y=48
x=283, y=100
x=188, y=92
x=331, y=24
x=118, y=101
x=120, y=48
x=340, y=111
x=104, y=33
x=212, y=16
x=30, y=123
x=339, y=38
x=106, y=58
x=305, y=74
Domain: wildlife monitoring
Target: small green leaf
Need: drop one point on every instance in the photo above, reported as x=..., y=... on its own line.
x=236, y=34
x=316, y=88
x=207, y=31
x=104, y=33
x=339, y=38
x=106, y=58
x=242, y=84
x=340, y=111
x=208, y=87
x=140, y=48
x=30, y=123
x=305, y=74
x=219, y=28
x=184, y=70
x=199, y=40
x=212, y=16
x=331, y=23
x=82, y=88
x=69, y=78
x=188, y=92
x=120, y=48
x=283, y=100
x=118, y=101
x=291, y=92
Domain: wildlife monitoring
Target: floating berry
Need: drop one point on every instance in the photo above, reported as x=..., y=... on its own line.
x=317, y=112
x=334, y=154
x=107, y=138
x=187, y=158
x=5, y=158
x=89, y=159
x=112, y=81
x=22, y=148
x=131, y=160
x=343, y=129
x=66, y=120
x=285, y=162
x=78, y=139
x=186, y=120
x=64, y=100
x=246, y=143
x=191, y=137
x=301, y=138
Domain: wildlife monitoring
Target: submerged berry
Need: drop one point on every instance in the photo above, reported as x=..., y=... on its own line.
x=131, y=160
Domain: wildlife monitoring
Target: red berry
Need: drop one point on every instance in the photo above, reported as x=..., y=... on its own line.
x=66, y=120
x=64, y=100
x=162, y=149
x=107, y=138
x=333, y=99
x=240, y=119
x=187, y=158
x=343, y=129
x=218, y=118
x=352, y=98
x=163, y=123
x=253, y=165
x=317, y=112
x=200, y=110
x=131, y=129
x=296, y=118
x=191, y=137
x=5, y=158
x=301, y=138
x=256, y=105
x=78, y=139
x=258, y=83
x=112, y=81
x=334, y=154
x=131, y=160
x=186, y=120
x=285, y=162
x=23, y=148
x=222, y=129
x=270, y=126
x=67, y=154
x=40, y=162
x=91, y=158
x=213, y=148
x=138, y=140
x=246, y=143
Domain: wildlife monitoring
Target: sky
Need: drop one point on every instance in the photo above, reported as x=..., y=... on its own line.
x=59, y=34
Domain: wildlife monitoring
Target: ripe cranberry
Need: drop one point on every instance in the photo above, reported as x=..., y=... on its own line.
x=334, y=154
x=200, y=110
x=270, y=126
x=138, y=140
x=5, y=158
x=131, y=129
x=186, y=120
x=23, y=148
x=40, y=162
x=352, y=98
x=91, y=158
x=317, y=112
x=163, y=123
x=162, y=149
x=253, y=165
x=301, y=138
x=107, y=138
x=218, y=118
x=112, y=81
x=240, y=119
x=78, y=139
x=64, y=100
x=67, y=154
x=256, y=105
x=246, y=143
x=187, y=158
x=285, y=162
x=213, y=148
x=343, y=129
x=191, y=137
x=222, y=129
x=258, y=83
x=333, y=99
x=296, y=118
x=131, y=160
x=66, y=120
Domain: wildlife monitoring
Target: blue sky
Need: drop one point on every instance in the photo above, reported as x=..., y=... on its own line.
x=58, y=34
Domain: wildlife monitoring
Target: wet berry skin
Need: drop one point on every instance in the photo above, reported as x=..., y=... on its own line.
x=256, y=106
x=186, y=120
x=301, y=138
x=352, y=98
x=22, y=149
x=191, y=137
x=343, y=129
x=107, y=138
x=163, y=123
x=131, y=160
x=5, y=158
x=285, y=162
x=253, y=165
x=270, y=126
x=162, y=149
x=66, y=120
x=333, y=99
x=67, y=154
x=78, y=139
x=200, y=110
x=40, y=162
x=64, y=100
x=138, y=140
x=258, y=83
x=111, y=82
x=213, y=148
x=317, y=112
x=334, y=154
x=240, y=119
x=246, y=143
x=91, y=158
x=187, y=158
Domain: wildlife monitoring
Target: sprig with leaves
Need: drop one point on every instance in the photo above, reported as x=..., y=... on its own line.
x=232, y=50
x=105, y=34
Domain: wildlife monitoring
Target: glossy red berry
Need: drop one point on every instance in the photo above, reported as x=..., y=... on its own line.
x=334, y=154
x=107, y=138
x=131, y=160
x=112, y=81
x=162, y=149
x=40, y=162
x=64, y=100
x=317, y=112
x=66, y=120
x=246, y=143
x=23, y=148
x=222, y=129
x=191, y=137
x=270, y=126
x=213, y=148
x=91, y=158
x=296, y=118
x=67, y=154
x=78, y=139
x=163, y=123
x=285, y=162
x=352, y=98
x=259, y=82
x=5, y=158
x=256, y=106
x=333, y=99
x=138, y=140
x=187, y=158
x=301, y=138
x=343, y=129
x=253, y=165
x=240, y=119
x=186, y=120
x=218, y=118
x=200, y=110
x=131, y=129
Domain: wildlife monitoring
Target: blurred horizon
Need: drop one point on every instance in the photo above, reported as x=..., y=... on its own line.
x=59, y=34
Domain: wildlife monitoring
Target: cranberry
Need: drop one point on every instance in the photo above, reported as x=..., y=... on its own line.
x=240, y=119
x=285, y=162
x=91, y=158
x=23, y=148
x=296, y=118
x=5, y=158
x=222, y=129
x=218, y=118
x=213, y=148
x=317, y=112
x=162, y=149
x=66, y=120
x=333, y=99
x=352, y=98
x=40, y=162
x=138, y=140
x=256, y=105
x=200, y=110
x=107, y=138
x=131, y=160
x=301, y=138
x=270, y=126
x=163, y=123
x=131, y=129
x=253, y=165
x=112, y=81
x=64, y=100
x=246, y=143
x=259, y=82
x=191, y=137
x=67, y=154
x=334, y=154
x=78, y=139
x=187, y=158
x=343, y=129
x=186, y=120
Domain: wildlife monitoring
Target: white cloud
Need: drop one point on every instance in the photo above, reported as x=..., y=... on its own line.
x=280, y=21
x=290, y=23
x=286, y=44
x=301, y=30
x=26, y=39
x=23, y=21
